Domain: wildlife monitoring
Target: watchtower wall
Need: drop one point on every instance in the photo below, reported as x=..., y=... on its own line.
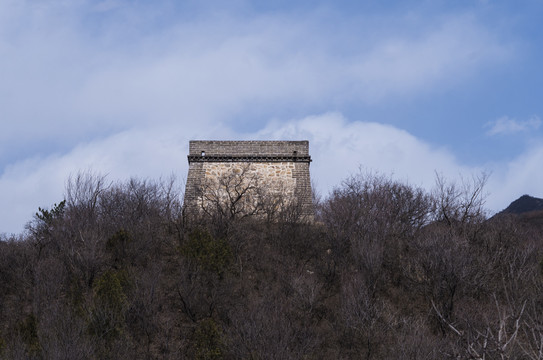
x=280, y=167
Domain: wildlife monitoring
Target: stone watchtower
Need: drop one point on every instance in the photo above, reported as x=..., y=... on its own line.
x=243, y=173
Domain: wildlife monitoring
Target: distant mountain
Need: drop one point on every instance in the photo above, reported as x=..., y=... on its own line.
x=524, y=204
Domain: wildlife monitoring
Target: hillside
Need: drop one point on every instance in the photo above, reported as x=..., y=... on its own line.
x=121, y=271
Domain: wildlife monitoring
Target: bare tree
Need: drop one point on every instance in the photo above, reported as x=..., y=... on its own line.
x=231, y=195
x=369, y=217
x=82, y=194
x=241, y=194
x=461, y=203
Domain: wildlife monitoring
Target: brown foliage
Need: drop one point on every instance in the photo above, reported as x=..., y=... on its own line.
x=385, y=271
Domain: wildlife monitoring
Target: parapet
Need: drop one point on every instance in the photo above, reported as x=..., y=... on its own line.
x=249, y=151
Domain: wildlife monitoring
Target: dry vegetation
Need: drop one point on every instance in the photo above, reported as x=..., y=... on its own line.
x=387, y=271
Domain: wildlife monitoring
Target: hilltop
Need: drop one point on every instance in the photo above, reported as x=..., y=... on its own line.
x=526, y=210
x=524, y=204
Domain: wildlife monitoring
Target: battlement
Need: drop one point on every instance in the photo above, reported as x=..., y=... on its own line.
x=274, y=169
x=248, y=148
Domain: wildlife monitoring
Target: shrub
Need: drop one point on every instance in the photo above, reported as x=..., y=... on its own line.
x=209, y=253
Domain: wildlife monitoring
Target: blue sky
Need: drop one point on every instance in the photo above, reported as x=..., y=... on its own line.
x=406, y=88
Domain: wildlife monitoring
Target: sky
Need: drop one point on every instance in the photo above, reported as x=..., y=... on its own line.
x=408, y=89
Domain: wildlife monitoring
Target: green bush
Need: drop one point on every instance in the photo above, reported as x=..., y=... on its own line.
x=211, y=254
x=207, y=342
x=28, y=330
x=2, y=345
x=117, y=245
x=110, y=303
x=48, y=216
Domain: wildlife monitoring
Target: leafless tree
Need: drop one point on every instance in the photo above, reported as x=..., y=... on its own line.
x=267, y=328
x=387, y=270
x=369, y=217
x=232, y=195
x=461, y=203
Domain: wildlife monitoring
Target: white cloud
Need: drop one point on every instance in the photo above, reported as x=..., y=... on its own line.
x=339, y=148
x=69, y=75
x=506, y=125
x=522, y=175
x=451, y=51
x=104, y=86
x=149, y=153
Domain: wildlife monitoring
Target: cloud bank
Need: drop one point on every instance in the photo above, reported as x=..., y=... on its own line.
x=120, y=88
x=72, y=73
x=339, y=148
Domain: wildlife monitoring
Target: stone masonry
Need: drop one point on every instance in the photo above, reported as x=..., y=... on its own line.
x=278, y=169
